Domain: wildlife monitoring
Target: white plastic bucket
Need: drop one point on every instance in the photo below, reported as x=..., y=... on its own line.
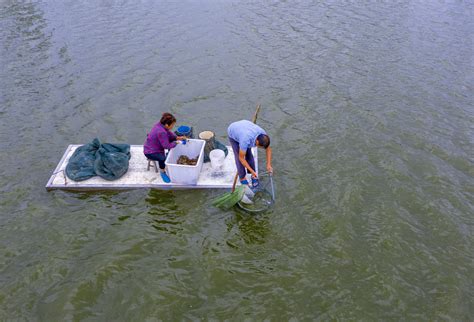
x=217, y=157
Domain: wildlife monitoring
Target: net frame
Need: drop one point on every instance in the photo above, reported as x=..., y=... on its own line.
x=266, y=188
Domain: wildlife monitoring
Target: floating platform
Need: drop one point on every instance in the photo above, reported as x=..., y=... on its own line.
x=138, y=176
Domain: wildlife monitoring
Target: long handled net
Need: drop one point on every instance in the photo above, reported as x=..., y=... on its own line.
x=261, y=199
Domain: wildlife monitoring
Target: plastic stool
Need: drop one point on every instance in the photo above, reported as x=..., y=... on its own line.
x=152, y=163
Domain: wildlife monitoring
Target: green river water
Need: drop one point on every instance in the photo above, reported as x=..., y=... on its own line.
x=369, y=105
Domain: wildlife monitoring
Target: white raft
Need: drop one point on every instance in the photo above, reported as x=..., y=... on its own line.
x=138, y=176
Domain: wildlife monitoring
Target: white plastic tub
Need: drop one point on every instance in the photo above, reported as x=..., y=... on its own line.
x=185, y=174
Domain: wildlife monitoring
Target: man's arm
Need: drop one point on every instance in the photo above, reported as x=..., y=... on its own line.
x=269, y=159
x=245, y=163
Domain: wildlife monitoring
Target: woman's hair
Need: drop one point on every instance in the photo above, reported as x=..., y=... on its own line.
x=167, y=119
x=263, y=140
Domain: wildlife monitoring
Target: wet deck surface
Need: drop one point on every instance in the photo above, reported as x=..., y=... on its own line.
x=138, y=176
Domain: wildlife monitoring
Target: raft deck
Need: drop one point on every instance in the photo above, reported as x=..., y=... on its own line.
x=138, y=176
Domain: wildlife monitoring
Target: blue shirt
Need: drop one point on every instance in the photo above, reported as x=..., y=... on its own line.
x=245, y=133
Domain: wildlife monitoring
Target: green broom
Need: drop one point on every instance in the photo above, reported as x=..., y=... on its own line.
x=230, y=199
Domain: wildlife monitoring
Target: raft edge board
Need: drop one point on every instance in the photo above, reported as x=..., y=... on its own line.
x=115, y=185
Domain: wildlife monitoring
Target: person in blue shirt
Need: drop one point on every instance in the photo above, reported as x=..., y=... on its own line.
x=243, y=136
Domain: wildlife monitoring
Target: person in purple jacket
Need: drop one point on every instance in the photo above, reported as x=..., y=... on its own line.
x=159, y=139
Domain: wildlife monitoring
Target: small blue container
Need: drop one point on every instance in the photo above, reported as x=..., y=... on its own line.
x=185, y=130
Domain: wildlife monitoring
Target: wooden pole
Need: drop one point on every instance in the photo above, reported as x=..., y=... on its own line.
x=254, y=120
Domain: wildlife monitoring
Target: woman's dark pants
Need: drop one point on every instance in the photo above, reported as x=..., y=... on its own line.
x=248, y=157
x=160, y=157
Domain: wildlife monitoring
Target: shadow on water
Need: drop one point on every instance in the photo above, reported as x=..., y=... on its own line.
x=104, y=204
x=165, y=214
x=116, y=197
x=88, y=195
x=252, y=228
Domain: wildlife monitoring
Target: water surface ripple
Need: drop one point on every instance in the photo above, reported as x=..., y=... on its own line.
x=370, y=109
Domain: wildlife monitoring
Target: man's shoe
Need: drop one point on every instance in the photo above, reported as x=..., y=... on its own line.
x=255, y=183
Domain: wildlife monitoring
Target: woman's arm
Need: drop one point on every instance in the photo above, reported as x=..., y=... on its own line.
x=165, y=141
x=172, y=137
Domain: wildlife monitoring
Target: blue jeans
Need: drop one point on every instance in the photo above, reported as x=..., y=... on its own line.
x=248, y=157
x=160, y=157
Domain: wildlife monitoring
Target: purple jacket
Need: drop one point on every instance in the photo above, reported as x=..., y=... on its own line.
x=159, y=139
